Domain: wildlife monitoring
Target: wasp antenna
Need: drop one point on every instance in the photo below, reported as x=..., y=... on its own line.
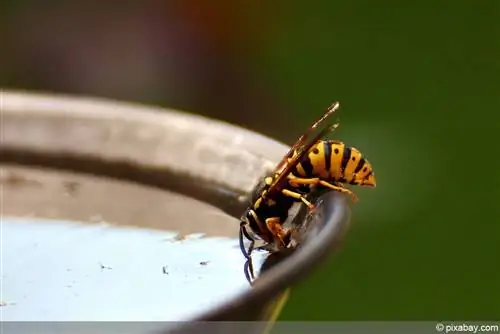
x=242, y=244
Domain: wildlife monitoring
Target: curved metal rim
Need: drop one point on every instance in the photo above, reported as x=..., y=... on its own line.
x=248, y=143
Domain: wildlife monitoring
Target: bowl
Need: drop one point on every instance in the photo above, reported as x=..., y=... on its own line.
x=116, y=211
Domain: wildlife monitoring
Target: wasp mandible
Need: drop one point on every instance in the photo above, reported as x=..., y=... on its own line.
x=311, y=164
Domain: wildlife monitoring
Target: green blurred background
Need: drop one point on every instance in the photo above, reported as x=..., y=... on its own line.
x=419, y=86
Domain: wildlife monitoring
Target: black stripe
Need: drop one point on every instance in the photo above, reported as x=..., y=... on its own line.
x=345, y=158
x=353, y=181
x=307, y=165
x=360, y=165
x=328, y=155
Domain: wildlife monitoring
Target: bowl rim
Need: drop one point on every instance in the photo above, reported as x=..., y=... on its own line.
x=234, y=145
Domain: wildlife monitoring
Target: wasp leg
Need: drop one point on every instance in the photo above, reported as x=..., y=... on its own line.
x=316, y=181
x=247, y=253
x=248, y=274
x=274, y=226
x=296, y=195
x=242, y=233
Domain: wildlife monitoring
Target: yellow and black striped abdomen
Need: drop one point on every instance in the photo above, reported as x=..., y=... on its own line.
x=332, y=160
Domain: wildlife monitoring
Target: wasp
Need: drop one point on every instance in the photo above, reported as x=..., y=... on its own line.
x=312, y=164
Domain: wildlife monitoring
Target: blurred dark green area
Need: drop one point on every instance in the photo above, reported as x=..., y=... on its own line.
x=419, y=86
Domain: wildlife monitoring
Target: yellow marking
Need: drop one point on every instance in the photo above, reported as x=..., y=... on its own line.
x=351, y=164
x=318, y=160
x=257, y=203
x=370, y=182
x=336, y=160
x=268, y=180
x=295, y=195
x=300, y=170
x=367, y=168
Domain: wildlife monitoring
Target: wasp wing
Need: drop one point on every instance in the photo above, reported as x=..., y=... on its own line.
x=302, y=139
x=301, y=146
